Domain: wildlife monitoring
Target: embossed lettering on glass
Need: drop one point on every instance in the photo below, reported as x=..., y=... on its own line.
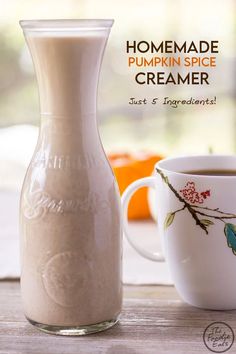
x=70, y=208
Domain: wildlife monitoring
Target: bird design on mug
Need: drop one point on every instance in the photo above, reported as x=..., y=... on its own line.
x=193, y=201
x=230, y=233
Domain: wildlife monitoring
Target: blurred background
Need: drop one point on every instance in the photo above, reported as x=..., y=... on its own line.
x=161, y=130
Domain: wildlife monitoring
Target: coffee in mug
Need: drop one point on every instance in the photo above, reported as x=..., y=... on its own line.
x=196, y=209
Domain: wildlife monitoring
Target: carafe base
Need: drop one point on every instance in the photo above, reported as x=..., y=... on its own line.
x=74, y=330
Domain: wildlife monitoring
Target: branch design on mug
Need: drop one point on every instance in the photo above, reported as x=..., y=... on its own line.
x=192, y=201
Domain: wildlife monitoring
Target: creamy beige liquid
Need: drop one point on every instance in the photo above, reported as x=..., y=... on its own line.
x=70, y=211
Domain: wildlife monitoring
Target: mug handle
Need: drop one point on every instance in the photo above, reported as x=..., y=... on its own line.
x=125, y=199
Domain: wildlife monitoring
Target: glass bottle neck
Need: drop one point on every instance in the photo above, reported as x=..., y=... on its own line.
x=67, y=69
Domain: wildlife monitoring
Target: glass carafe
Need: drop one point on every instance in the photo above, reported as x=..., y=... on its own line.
x=70, y=208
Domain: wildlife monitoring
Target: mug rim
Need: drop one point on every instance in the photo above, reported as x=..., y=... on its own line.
x=213, y=158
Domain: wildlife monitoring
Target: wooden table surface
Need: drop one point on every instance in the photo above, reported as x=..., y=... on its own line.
x=154, y=321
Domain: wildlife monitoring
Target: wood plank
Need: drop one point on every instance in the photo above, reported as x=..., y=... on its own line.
x=154, y=321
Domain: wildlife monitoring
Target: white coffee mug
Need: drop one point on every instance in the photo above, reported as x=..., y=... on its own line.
x=197, y=226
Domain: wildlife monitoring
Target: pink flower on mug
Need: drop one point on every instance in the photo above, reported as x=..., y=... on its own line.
x=191, y=195
x=206, y=194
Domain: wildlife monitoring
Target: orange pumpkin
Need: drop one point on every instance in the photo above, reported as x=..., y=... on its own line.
x=128, y=168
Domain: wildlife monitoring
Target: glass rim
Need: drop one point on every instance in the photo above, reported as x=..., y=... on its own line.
x=66, y=24
x=179, y=165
